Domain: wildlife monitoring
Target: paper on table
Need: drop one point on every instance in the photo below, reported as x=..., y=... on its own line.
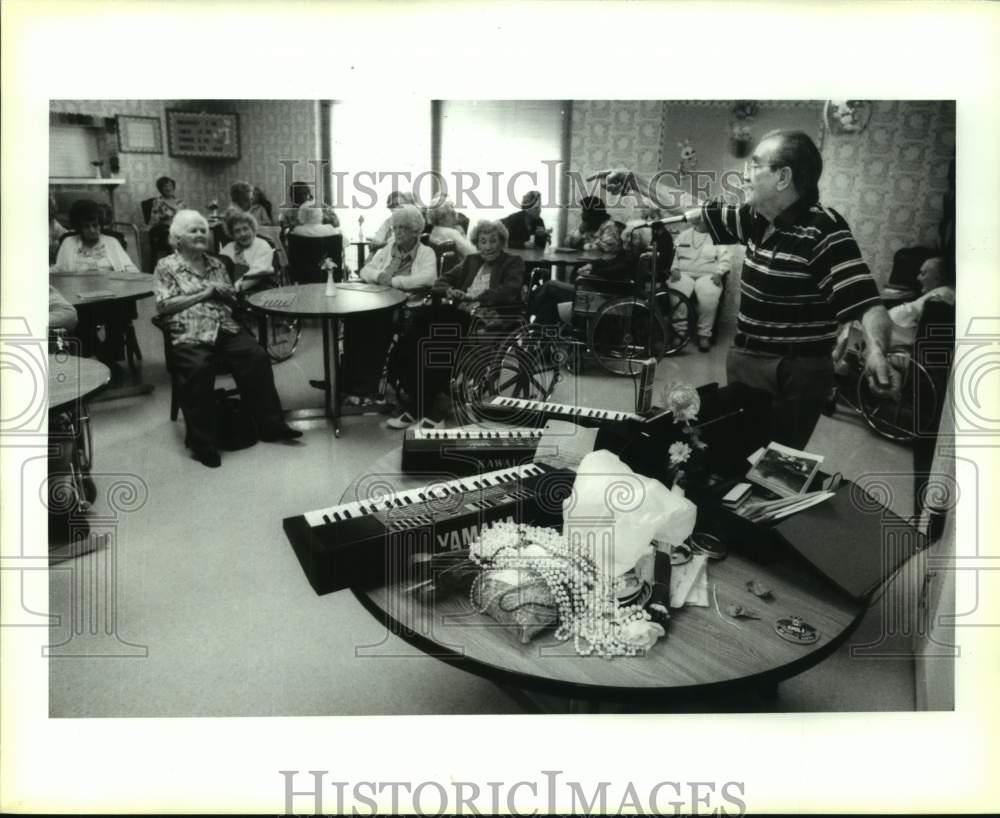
x=90, y=296
x=129, y=277
x=689, y=583
x=564, y=444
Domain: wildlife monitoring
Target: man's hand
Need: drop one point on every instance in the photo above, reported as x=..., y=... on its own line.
x=617, y=181
x=884, y=379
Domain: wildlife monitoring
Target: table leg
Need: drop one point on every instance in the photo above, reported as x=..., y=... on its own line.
x=333, y=388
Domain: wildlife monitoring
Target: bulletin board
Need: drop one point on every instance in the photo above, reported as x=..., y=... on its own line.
x=203, y=136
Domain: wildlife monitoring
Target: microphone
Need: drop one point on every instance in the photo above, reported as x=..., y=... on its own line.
x=668, y=220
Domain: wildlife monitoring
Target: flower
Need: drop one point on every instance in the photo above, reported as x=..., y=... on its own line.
x=682, y=401
x=328, y=265
x=641, y=633
x=679, y=453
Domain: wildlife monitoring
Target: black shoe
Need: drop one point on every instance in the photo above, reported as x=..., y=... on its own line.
x=208, y=457
x=283, y=432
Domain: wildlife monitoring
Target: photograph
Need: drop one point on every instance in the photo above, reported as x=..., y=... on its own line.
x=784, y=471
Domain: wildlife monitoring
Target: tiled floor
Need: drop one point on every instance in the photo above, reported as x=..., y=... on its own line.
x=211, y=615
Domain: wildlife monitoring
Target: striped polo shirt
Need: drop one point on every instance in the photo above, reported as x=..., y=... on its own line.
x=802, y=276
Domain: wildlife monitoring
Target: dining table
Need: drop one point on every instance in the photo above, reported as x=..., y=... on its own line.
x=315, y=301
x=561, y=260
x=87, y=289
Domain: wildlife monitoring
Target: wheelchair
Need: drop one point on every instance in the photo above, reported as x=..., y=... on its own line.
x=616, y=322
x=901, y=417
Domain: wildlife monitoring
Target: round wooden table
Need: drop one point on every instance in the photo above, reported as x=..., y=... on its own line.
x=72, y=379
x=311, y=301
x=81, y=289
x=706, y=656
x=561, y=261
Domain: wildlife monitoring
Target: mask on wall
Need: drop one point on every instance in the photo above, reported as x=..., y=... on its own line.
x=688, y=157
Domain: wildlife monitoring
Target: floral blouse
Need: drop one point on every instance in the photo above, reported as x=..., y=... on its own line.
x=201, y=322
x=606, y=238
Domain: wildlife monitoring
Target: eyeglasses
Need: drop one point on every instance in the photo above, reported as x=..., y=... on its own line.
x=399, y=228
x=751, y=168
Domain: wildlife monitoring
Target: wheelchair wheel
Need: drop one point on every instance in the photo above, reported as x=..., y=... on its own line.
x=282, y=337
x=679, y=318
x=624, y=333
x=907, y=415
x=530, y=363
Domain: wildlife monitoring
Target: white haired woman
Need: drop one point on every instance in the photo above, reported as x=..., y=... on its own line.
x=195, y=297
x=489, y=279
x=404, y=264
x=383, y=235
x=445, y=227
x=252, y=256
x=311, y=222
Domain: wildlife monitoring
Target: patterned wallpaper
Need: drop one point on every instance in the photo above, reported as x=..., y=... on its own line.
x=888, y=181
x=616, y=133
x=275, y=130
x=270, y=130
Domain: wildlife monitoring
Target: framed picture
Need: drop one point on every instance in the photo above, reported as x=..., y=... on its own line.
x=139, y=134
x=203, y=136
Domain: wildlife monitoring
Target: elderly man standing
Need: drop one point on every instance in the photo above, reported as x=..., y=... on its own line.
x=405, y=264
x=802, y=277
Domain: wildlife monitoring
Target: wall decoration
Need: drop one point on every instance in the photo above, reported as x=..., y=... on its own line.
x=741, y=128
x=846, y=116
x=139, y=134
x=688, y=158
x=202, y=135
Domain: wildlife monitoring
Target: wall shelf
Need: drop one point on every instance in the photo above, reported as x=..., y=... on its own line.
x=85, y=181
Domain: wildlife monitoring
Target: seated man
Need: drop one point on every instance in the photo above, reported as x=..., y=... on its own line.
x=405, y=264
x=195, y=296
x=698, y=268
x=937, y=283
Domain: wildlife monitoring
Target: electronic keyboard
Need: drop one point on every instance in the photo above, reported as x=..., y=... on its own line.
x=468, y=451
x=369, y=541
x=535, y=413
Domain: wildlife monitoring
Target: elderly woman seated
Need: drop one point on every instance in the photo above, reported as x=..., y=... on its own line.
x=445, y=228
x=195, y=297
x=252, y=256
x=487, y=281
x=312, y=223
x=384, y=234
x=404, y=264
x=597, y=230
x=88, y=250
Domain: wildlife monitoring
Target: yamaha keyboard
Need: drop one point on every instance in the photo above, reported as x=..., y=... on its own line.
x=468, y=451
x=370, y=540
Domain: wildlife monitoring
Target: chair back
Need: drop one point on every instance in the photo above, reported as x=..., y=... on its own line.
x=446, y=256
x=306, y=255
x=229, y=264
x=130, y=233
x=147, y=209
